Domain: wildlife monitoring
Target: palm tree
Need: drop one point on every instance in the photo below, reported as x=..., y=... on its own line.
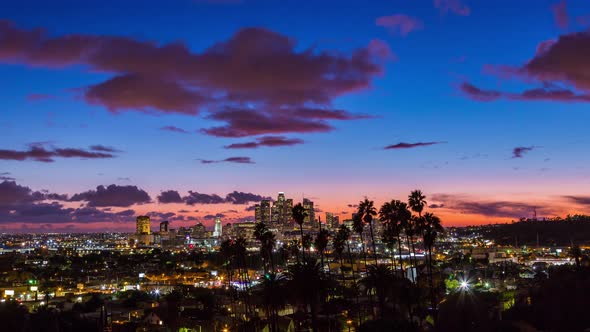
x=358, y=227
x=366, y=211
x=339, y=243
x=389, y=236
x=321, y=243
x=576, y=252
x=416, y=202
x=379, y=280
x=299, y=215
x=396, y=215
x=271, y=292
x=308, y=282
x=267, y=245
x=263, y=235
x=431, y=229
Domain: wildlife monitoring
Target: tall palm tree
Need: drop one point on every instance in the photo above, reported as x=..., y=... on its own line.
x=366, y=211
x=308, y=283
x=396, y=215
x=321, y=243
x=299, y=215
x=267, y=245
x=389, y=236
x=431, y=229
x=379, y=280
x=416, y=202
x=261, y=234
x=272, y=293
x=339, y=244
x=576, y=253
x=358, y=227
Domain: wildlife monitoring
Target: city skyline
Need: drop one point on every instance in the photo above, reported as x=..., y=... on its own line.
x=200, y=109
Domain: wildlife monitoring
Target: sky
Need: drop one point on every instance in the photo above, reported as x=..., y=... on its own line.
x=190, y=109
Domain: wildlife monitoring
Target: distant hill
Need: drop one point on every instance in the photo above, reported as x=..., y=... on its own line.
x=555, y=231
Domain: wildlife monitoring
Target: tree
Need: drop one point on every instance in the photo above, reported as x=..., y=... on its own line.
x=416, y=202
x=576, y=253
x=431, y=229
x=358, y=227
x=339, y=243
x=366, y=211
x=395, y=215
x=379, y=280
x=272, y=294
x=321, y=243
x=299, y=215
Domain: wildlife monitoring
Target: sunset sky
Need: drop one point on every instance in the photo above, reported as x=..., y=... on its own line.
x=187, y=109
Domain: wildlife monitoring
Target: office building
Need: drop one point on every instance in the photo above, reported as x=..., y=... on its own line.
x=143, y=225
x=218, y=230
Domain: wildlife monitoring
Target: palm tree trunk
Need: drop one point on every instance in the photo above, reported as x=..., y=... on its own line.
x=364, y=250
x=401, y=259
x=432, y=299
x=373, y=242
x=302, y=246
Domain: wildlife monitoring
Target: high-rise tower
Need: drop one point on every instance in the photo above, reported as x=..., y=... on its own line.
x=142, y=225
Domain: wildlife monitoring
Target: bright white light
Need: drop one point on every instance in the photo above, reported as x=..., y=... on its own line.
x=464, y=285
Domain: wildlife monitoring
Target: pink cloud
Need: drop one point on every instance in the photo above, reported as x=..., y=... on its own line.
x=399, y=24
x=560, y=14
x=453, y=6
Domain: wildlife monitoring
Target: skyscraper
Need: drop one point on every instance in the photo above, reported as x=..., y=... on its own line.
x=164, y=226
x=309, y=210
x=142, y=225
x=262, y=212
x=332, y=221
x=218, y=231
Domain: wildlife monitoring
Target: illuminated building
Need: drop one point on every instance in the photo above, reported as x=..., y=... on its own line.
x=309, y=211
x=164, y=226
x=218, y=228
x=143, y=225
x=281, y=211
x=262, y=211
x=332, y=221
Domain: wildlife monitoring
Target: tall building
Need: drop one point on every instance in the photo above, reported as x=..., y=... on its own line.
x=164, y=226
x=218, y=231
x=262, y=212
x=142, y=225
x=281, y=211
x=332, y=221
x=309, y=210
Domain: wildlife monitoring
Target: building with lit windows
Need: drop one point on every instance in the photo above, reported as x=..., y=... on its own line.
x=142, y=225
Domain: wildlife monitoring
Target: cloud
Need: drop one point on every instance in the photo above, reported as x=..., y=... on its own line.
x=453, y=6
x=257, y=67
x=548, y=93
x=237, y=160
x=404, y=145
x=436, y=206
x=520, y=151
x=37, y=152
x=113, y=195
x=399, y=24
x=270, y=141
x=237, y=197
x=197, y=198
x=581, y=200
x=169, y=196
x=103, y=148
x=250, y=208
x=174, y=129
x=502, y=209
x=39, y=97
x=4, y=176
x=22, y=204
x=213, y=216
x=560, y=14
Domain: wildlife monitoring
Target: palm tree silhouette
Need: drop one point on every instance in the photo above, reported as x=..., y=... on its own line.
x=576, y=253
x=299, y=215
x=339, y=244
x=431, y=229
x=379, y=280
x=358, y=227
x=366, y=211
x=272, y=294
x=416, y=202
x=321, y=243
